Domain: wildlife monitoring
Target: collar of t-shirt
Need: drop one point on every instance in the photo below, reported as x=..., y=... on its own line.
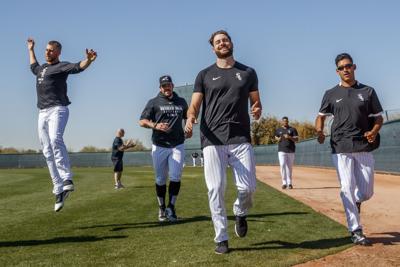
x=354, y=85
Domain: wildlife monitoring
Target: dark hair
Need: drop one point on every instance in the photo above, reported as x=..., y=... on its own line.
x=343, y=56
x=211, y=40
x=56, y=44
x=285, y=118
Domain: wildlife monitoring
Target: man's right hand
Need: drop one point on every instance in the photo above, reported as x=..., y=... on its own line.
x=162, y=126
x=31, y=43
x=189, y=126
x=321, y=137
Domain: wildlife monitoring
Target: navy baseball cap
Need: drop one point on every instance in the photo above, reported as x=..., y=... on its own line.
x=165, y=79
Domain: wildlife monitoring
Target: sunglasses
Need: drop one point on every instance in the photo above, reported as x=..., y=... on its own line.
x=347, y=66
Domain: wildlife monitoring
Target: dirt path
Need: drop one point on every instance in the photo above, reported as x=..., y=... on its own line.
x=319, y=189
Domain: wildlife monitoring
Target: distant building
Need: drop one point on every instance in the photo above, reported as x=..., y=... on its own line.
x=186, y=92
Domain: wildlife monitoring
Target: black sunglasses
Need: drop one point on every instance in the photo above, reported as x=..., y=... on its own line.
x=347, y=66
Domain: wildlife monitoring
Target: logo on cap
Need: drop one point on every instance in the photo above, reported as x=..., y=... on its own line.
x=165, y=79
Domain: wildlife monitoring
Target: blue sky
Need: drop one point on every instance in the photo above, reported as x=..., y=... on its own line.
x=291, y=45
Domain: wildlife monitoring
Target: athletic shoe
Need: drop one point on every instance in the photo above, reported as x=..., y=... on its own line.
x=68, y=185
x=171, y=214
x=240, y=226
x=290, y=186
x=358, y=204
x=59, y=202
x=284, y=186
x=119, y=186
x=161, y=215
x=359, y=238
x=222, y=247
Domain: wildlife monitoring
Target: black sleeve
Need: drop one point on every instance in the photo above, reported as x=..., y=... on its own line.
x=71, y=68
x=375, y=105
x=295, y=133
x=326, y=107
x=277, y=133
x=199, y=83
x=148, y=112
x=185, y=109
x=253, y=81
x=35, y=67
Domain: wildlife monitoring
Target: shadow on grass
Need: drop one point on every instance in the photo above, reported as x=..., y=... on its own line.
x=58, y=240
x=119, y=227
x=314, y=244
x=394, y=237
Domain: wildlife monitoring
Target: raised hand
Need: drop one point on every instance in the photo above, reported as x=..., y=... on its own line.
x=91, y=55
x=31, y=43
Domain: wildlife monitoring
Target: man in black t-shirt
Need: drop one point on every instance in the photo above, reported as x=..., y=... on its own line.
x=224, y=90
x=52, y=101
x=286, y=136
x=164, y=114
x=117, y=153
x=354, y=106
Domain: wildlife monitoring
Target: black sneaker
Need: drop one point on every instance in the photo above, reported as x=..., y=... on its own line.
x=240, y=226
x=59, y=202
x=68, y=185
x=358, y=238
x=222, y=247
x=284, y=186
x=171, y=214
x=290, y=186
x=358, y=204
x=161, y=214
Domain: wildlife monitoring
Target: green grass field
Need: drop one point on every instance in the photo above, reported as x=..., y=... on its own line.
x=103, y=226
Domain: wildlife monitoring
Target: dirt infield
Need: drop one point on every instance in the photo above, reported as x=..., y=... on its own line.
x=380, y=216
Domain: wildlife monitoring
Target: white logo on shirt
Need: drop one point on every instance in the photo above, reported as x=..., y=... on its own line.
x=238, y=76
x=338, y=100
x=41, y=78
x=216, y=78
x=360, y=97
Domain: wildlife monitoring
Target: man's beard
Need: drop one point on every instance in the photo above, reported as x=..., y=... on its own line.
x=224, y=55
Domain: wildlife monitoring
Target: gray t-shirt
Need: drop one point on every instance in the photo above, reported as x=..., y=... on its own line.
x=51, y=83
x=225, y=111
x=352, y=109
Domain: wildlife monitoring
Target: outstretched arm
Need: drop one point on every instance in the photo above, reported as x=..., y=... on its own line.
x=31, y=46
x=91, y=56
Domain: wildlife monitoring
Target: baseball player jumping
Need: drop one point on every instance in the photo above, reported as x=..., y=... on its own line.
x=224, y=89
x=51, y=87
x=353, y=136
x=164, y=114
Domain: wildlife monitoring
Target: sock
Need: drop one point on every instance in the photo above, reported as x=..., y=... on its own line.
x=173, y=191
x=161, y=191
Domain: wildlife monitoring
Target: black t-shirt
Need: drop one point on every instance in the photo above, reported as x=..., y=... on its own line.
x=51, y=83
x=225, y=111
x=286, y=145
x=171, y=111
x=116, y=154
x=352, y=108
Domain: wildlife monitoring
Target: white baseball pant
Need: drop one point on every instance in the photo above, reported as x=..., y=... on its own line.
x=216, y=159
x=168, y=160
x=356, y=176
x=51, y=125
x=286, y=161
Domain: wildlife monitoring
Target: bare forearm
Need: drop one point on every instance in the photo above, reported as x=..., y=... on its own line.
x=85, y=63
x=32, y=57
x=147, y=124
x=319, y=124
x=377, y=124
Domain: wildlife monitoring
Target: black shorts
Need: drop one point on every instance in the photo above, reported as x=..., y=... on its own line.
x=118, y=165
